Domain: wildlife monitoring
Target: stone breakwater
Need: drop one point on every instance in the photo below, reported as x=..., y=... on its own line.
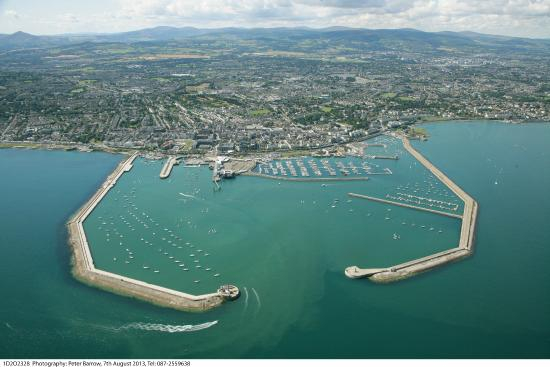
x=411, y=268
x=83, y=267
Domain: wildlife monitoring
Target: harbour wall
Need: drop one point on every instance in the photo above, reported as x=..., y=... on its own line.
x=83, y=267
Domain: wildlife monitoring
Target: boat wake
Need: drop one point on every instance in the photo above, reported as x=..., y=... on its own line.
x=245, y=298
x=257, y=299
x=165, y=328
x=188, y=195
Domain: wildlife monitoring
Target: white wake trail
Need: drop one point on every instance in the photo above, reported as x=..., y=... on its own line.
x=257, y=298
x=245, y=298
x=165, y=328
x=188, y=195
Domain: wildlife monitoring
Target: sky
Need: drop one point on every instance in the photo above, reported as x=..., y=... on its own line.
x=522, y=18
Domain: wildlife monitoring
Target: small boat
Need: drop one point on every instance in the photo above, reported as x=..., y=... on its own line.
x=157, y=271
x=145, y=267
x=216, y=275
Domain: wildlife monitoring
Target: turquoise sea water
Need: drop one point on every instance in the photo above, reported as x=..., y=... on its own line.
x=288, y=245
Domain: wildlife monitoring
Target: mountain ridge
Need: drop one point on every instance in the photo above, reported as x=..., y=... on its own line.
x=23, y=40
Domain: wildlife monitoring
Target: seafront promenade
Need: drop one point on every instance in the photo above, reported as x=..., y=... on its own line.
x=411, y=268
x=83, y=267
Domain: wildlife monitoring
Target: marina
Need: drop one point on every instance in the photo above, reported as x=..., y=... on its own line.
x=314, y=169
x=404, y=205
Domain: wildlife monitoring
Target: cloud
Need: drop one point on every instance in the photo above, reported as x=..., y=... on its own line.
x=69, y=18
x=11, y=14
x=405, y=8
x=497, y=16
x=509, y=17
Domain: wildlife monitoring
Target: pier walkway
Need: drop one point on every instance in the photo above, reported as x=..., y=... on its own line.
x=167, y=168
x=413, y=267
x=84, y=268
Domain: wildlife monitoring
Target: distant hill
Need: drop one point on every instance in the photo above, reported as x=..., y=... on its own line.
x=367, y=39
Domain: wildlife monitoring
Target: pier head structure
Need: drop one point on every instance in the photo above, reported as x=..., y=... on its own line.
x=83, y=267
x=413, y=267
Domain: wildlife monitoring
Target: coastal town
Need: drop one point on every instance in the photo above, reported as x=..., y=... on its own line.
x=239, y=94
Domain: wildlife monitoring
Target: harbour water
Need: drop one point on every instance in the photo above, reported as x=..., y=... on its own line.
x=182, y=234
x=285, y=244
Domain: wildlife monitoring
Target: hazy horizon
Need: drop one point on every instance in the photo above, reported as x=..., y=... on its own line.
x=252, y=28
x=516, y=18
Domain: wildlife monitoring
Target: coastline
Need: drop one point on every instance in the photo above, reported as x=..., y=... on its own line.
x=86, y=148
x=84, y=270
x=420, y=265
x=66, y=146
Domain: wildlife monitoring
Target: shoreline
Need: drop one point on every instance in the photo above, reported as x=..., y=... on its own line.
x=410, y=268
x=84, y=270
x=85, y=147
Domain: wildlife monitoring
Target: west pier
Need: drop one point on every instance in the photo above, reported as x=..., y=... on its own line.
x=83, y=267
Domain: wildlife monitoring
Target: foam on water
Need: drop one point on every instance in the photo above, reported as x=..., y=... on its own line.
x=245, y=298
x=257, y=298
x=165, y=328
